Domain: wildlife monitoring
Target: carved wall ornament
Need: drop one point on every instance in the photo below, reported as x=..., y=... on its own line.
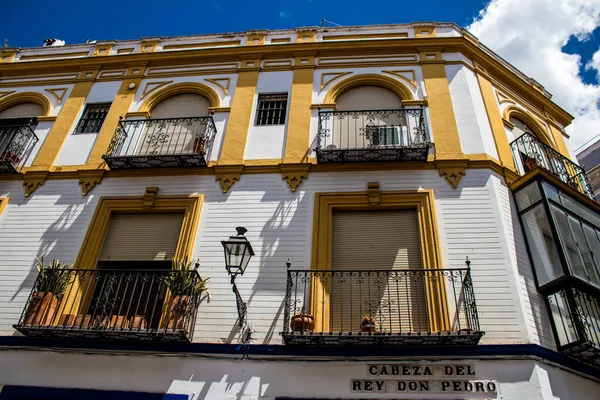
x=294, y=174
x=150, y=196
x=58, y=93
x=502, y=98
x=33, y=180
x=223, y=83
x=227, y=175
x=373, y=192
x=328, y=77
x=407, y=75
x=452, y=170
x=88, y=179
x=152, y=86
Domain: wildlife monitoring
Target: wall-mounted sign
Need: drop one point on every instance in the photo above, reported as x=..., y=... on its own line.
x=448, y=379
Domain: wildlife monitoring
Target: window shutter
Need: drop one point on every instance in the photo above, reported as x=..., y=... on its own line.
x=141, y=237
x=377, y=240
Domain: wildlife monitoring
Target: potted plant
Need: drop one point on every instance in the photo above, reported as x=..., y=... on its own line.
x=531, y=163
x=199, y=144
x=302, y=322
x=183, y=285
x=368, y=325
x=52, y=282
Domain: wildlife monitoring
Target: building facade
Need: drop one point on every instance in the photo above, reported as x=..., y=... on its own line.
x=416, y=225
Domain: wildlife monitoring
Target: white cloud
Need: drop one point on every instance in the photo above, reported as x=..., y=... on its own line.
x=530, y=35
x=283, y=15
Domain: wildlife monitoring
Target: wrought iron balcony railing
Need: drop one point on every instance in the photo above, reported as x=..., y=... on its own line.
x=158, y=305
x=576, y=316
x=372, y=136
x=17, y=140
x=380, y=307
x=161, y=143
x=529, y=152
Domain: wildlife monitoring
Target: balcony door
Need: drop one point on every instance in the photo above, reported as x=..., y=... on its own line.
x=376, y=249
x=129, y=292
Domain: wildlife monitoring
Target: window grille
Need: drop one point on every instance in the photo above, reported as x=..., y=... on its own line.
x=271, y=109
x=92, y=119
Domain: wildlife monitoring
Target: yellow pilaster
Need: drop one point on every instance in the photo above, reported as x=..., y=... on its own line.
x=443, y=123
x=298, y=132
x=120, y=106
x=495, y=119
x=62, y=126
x=561, y=146
x=234, y=142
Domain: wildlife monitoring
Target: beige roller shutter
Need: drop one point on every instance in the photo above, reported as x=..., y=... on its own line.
x=141, y=237
x=377, y=241
x=181, y=106
x=23, y=110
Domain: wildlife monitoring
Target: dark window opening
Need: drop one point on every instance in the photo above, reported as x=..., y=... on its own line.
x=271, y=109
x=92, y=119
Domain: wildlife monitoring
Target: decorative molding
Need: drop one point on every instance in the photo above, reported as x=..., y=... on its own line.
x=227, y=175
x=502, y=98
x=415, y=103
x=150, y=196
x=328, y=77
x=152, y=86
x=88, y=179
x=103, y=49
x=256, y=39
x=6, y=93
x=33, y=180
x=294, y=174
x=223, y=86
x=219, y=109
x=508, y=124
x=138, y=114
x=402, y=74
x=353, y=81
x=148, y=45
x=58, y=93
x=373, y=193
x=328, y=106
x=452, y=170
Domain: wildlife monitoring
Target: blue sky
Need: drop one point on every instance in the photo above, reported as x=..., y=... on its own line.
x=555, y=45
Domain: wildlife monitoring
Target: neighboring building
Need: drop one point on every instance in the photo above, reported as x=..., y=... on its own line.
x=589, y=158
x=367, y=164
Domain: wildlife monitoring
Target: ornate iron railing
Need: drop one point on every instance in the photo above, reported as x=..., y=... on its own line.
x=576, y=316
x=380, y=307
x=17, y=140
x=529, y=152
x=161, y=143
x=372, y=135
x=112, y=304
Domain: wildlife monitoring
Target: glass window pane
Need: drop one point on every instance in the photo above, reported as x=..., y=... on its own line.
x=542, y=245
x=584, y=250
x=551, y=192
x=580, y=210
x=594, y=245
x=528, y=196
x=560, y=314
x=568, y=243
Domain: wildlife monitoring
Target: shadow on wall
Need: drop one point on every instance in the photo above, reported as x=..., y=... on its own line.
x=282, y=238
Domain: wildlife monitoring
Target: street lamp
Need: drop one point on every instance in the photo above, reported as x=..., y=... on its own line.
x=238, y=252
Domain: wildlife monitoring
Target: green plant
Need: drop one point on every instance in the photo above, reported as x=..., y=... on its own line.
x=54, y=278
x=182, y=282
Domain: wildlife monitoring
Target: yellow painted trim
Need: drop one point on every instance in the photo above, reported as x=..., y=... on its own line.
x=47, y=119
x=256, y=39
x=391, y=35
x=54, y=56
x=103, y=49
x=422, y=201
x=234, y=141
x=306, y=35
x=539, y=130
x=297, y=142
x=119, y=107
x=3, y=204
x=281, y=40
x=187, y=46
x=138, y=114
x=441, y=112
x=561, y=146
x=424, y=31
x=368, y=79
x=219, y=109
x=191, y=206
x=179, y=88
x=26, y=97
x=495, y=121
x=62, y=126
x=222, y=83
x=8, y=55
x=152, y=86
x=58, y=93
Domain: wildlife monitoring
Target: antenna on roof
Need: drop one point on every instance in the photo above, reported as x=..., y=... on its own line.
x=323, y=20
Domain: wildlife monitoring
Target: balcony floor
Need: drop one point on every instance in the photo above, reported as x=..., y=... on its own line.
x=156, y=161
x=341, y=156
x=7, y=167
x=585, y=352
x=446, y=338
x=110, y=334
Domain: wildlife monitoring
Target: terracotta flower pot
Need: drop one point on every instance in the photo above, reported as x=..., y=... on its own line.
x=137, y=322
x=302, y=323
x=531, y=163
x=177, y=311
x=368, y=326
x=198, y=145
x=41, y=309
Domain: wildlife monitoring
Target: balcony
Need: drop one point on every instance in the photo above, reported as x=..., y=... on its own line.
x=529, y=153
x=161, y=143
x=112, y=305
x=380, y=308
x=17, y=140
x=575, y=314
x=372, y=136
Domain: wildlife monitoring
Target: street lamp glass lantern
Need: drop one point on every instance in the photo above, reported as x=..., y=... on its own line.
x=238, y=252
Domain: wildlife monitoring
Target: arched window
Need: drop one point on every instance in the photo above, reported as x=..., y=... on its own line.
x=22, y=110
x=181, y=106
x=520, y=128
x=368, y=98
